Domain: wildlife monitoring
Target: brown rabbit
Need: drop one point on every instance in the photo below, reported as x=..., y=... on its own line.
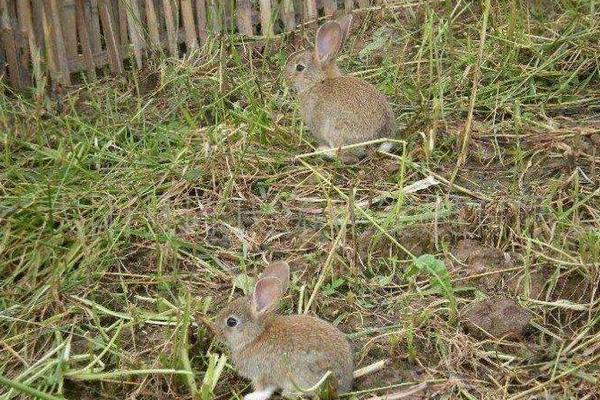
x=339, y=110
x=288, y=353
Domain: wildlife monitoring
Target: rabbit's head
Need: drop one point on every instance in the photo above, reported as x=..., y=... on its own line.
x=308, y=67
x=244, y=319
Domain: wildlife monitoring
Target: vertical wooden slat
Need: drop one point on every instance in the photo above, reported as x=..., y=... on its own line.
x=363, y=3
x=26, y=26
x=93, y=18
x=244, y=17
x=266, y=20
x=9, y=44
x=216, y=14
x=24, y=12
x=287, y=14
x=123, y=25
x=59, y=42
x=69, y=28
x=133, y=22
x=172, y=30
x=348, y=4
x=3, y=62
x=310, y=10
x=110, y=36
x=152, y=21
x=229, y=15
x=330, y=7
x=114, y=13
x=187, y=15
x=49, y=43
x=37, y=15
x=22, y=41
x=84, y=38
x=201, y=20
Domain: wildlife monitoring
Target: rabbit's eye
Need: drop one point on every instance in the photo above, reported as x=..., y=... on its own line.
x=231, y=322
x=300, y=67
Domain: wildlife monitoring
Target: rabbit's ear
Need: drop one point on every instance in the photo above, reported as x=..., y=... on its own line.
x=266, y=294
x=345, y=23
x=328, y=41
x=279, y=270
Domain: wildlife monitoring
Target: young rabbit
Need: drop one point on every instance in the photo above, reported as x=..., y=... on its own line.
x=285, y=353
x=339, y=110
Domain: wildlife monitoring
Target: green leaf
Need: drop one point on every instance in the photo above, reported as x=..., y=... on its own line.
x=434, y=267
x=330, y=288
x=440, y=278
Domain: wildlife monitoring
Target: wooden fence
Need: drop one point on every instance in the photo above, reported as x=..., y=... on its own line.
x=63, y=37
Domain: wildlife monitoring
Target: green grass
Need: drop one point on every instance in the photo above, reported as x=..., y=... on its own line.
x=129, y=209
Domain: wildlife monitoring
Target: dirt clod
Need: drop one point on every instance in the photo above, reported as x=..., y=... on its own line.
x=484, y=263
x=500, y=318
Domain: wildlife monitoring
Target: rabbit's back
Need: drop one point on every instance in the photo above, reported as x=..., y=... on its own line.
x=300, y=347
x=346, y=110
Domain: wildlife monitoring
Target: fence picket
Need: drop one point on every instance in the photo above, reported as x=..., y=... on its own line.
x=21, y=45
x=91, y=8
x=310, y=10
x=37, y=20
x=216, y=14
x=57, y=36
x=84, y=38
x=69, y=30
x=330, y=7
x=123, y=25
x=172, y=31
x=201, y=19
x=288, y=15
x=266, y=20
x=133, y=22
x=110, y=35
x=244, y=17
x=152, y=21
x=187, y=15
x=49, y=42
x=10, y=45
x=26, y=26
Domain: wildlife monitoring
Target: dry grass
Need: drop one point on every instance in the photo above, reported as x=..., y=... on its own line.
x=130, y=207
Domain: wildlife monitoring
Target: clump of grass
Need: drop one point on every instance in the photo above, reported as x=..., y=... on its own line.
x=126, y=199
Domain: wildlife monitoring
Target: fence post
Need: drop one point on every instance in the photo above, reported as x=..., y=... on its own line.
x=172, y=29
x=84, y=38
x=201, y=17
x=9, y=43
x=330, y=7
x=133, y=23
x=26, y=26
x=244, y=18
x=114, y=55
x=288, y=15
x=216, y=12
x=310, y=10
x=188, y=25
x=266, y=20
x=122, y=21
x=61, y=52
x=69, y=27
x=152, y=24
x=90, y=8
